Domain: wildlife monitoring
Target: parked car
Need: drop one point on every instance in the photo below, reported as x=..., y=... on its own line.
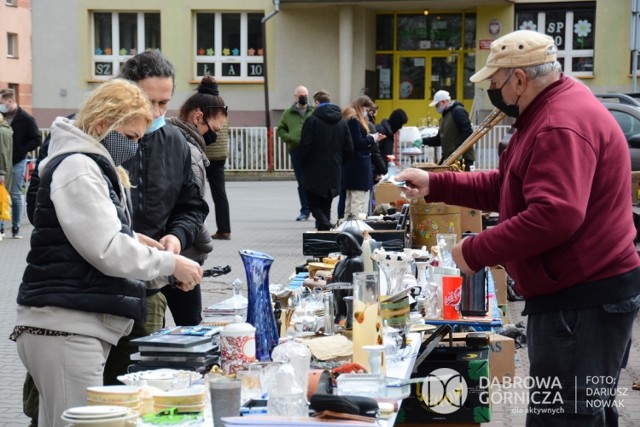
x=626, y=110
x=622, y=98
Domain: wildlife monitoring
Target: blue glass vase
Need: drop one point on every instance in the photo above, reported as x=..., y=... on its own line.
x=259, y=310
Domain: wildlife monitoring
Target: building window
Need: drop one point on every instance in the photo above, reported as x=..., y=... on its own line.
x=119, y=36
x=13, y=3
x=573, y=30
x=12, y=45
x=229, y=46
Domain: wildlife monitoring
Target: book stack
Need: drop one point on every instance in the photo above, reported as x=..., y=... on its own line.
x=194, y=348
x=222, y=313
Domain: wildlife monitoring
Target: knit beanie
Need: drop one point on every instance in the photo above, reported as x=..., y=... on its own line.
x=397, y=119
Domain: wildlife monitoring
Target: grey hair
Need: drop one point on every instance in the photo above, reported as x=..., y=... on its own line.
x=150, y=63
x=540, y=70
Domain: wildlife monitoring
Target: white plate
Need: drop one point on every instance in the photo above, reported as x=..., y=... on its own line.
x=117, y=420
x=114, y=389
x=96, y=412
x=134, y=377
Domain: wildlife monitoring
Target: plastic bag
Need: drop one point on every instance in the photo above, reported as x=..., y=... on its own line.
x=5, y=204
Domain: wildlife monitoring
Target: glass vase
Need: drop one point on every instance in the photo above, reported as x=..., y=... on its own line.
x=367, y=322
x=259, y=310
x=393, y=266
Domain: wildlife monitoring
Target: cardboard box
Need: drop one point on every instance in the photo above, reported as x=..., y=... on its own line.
x=455, y=389
x=635, y=187
x=499, y=275
x=386, y=192
x=502, y=354
x=321, y=243
x=470, y=220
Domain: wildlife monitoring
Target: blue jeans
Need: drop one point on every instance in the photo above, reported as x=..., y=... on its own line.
x=297, y=170
x=16, y=193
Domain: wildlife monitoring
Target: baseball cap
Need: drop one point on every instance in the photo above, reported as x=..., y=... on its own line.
x=440, y=95
x=517, y=49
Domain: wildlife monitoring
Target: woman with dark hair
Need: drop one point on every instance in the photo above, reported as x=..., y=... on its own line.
x=201, y=116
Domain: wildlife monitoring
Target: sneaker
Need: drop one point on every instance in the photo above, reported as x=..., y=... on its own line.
x=15, y=233
x=302, y=217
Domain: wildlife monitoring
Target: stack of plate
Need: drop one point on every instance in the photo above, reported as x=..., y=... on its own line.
x=120, y=395
x=103, y=416
x=192, y=399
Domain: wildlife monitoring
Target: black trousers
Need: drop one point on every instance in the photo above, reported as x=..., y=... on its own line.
x=579, y=353
x=215, y=175
x=186, y=307
x=302, y=193
x=320, y=207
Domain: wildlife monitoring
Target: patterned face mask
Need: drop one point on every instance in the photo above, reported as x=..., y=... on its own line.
x=120, y=147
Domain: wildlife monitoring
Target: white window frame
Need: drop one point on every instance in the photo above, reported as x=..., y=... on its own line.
x=115, y=59
x=568, y=53
x=217, y=59
x=12, y=45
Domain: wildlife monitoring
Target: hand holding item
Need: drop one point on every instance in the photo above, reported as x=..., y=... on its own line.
x=458, y=258
x=188, y=273
x=416, y=182
x=148, y=241
x=171, y=243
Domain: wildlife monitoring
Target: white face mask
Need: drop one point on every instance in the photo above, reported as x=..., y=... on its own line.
x=4, y=109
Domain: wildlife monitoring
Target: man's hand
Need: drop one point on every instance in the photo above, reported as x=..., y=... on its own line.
x=458, y=258
x=417, y=182
x=148, y=241
x=188, y=273
x=171, y=243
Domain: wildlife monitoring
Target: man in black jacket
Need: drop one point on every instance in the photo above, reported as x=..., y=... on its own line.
x=455, y=128
x=325, y=146
x=166, y=202
x=26, y=138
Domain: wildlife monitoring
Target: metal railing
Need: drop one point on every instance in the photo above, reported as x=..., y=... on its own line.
x=250, y=151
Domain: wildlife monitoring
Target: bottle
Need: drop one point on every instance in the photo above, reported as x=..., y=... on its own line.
x=286, y=395
x=293, y=352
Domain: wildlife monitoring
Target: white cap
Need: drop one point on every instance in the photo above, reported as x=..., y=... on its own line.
x=440, y=95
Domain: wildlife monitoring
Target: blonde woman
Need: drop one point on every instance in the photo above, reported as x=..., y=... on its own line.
x=81, y=290
x=357, y=174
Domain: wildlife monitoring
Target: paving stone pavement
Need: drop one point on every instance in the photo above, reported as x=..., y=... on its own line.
x=262, y=219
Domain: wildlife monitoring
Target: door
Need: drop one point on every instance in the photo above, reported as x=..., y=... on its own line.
x=419, y=77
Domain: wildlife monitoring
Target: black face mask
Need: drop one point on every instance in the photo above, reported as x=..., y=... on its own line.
x=302, y=100
x=495, y=96
x=209, y=136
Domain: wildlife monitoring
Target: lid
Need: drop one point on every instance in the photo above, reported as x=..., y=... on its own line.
x=238, y=327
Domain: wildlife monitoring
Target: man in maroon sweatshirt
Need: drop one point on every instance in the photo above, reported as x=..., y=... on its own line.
x=565, y=233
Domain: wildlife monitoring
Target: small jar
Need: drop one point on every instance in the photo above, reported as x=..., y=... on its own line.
x=237, y=345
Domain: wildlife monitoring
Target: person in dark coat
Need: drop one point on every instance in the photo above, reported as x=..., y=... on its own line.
x=358, y=176
x=325, y=146
x=454, y=129
x=388, y=127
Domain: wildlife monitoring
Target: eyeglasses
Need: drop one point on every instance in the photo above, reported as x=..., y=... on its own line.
x=225, y=108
